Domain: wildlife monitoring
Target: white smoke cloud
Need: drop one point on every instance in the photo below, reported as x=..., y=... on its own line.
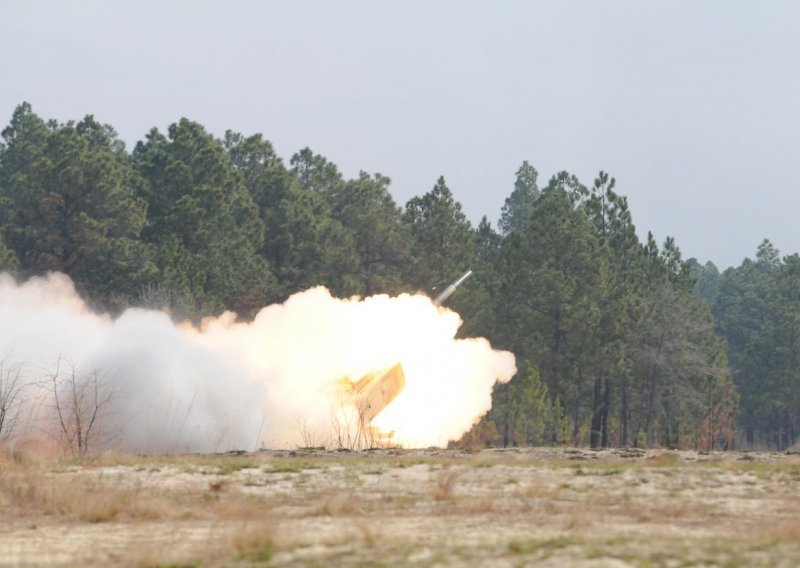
x=233, y=385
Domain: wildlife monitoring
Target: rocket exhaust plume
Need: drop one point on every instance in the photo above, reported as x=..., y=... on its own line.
x=284, y=380
x=376, y=391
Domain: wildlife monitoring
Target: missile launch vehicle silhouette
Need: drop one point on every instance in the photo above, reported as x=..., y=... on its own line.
x=376, y=390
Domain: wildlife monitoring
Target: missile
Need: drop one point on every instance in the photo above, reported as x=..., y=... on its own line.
x=440, y=299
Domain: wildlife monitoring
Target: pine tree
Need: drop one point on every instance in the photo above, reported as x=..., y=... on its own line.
x=202, y=220
x=442, y=243
x=516, y=212
x=366, y=209
x=70, y=193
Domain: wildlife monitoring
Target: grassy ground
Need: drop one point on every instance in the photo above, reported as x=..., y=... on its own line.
x=538, y=507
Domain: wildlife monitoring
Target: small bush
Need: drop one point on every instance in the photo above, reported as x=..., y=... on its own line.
x=446, y=484
x=255, y=544
x=664, y=460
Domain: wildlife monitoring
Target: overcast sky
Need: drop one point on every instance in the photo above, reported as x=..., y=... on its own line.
x=694, y=107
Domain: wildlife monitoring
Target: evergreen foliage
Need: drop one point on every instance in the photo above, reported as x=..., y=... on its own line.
x=201, y=220
x=441, y=237
x=516, y=212
x=757, y=310
x=614, y=337
x=69, y=190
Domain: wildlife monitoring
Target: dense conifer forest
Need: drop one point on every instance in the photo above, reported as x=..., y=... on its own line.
x=618, y=342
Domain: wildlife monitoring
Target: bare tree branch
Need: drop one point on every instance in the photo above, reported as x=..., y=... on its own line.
x=81, y=408
x=11, y=387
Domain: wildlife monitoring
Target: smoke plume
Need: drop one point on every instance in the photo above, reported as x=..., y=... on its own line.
x=275, y=382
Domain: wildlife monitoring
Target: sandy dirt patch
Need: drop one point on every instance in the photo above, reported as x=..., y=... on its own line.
x=538, y=507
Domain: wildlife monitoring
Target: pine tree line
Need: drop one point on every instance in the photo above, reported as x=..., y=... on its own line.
x=615, y=338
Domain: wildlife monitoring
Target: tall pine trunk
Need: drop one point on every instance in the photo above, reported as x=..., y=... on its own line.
x=624, y=412
x=597, y=413
x=606, y=407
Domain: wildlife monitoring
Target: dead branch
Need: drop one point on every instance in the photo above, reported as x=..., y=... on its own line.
x=11, y=387
x=80, y=403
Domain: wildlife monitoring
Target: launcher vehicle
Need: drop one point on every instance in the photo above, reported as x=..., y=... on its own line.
x=376, y=390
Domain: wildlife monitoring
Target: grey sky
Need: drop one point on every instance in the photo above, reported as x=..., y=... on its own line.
x=693, y=106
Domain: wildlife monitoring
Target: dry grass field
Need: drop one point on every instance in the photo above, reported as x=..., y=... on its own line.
x=518, y=507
